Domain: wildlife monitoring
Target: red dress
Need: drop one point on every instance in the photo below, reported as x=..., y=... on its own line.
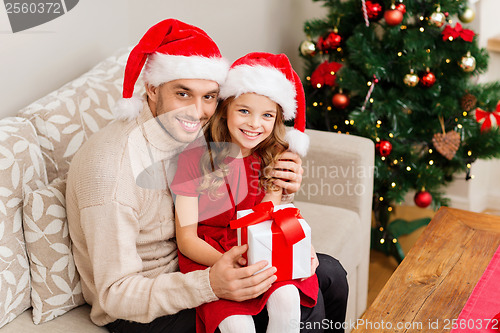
x=213, y=227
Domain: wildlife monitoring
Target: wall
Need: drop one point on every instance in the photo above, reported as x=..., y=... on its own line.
x=41, y=59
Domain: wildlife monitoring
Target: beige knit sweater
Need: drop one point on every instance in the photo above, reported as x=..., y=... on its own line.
x=123, y=232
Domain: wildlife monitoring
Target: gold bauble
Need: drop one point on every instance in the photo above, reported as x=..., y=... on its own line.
x=307, y=48
x=467, y=15
x=437, y=19
x=468, y=63
x=411, y=79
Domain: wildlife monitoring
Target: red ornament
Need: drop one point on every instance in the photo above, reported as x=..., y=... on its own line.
x=325, y=74
x=450, y=33
x=422, y=199
x=331, y=42
x=340, y=100
x=374, y=10
x=393, y=17
x=384, y=148
x=428, y=79
x=401, y=7
x=488, y=119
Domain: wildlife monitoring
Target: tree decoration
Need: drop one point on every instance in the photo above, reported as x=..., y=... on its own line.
x=307, y=48
x=393, y=16
x=468, y=63
x=451, y=34
x=468, y=102
x=401, y=7
x=467, y=15
x=428, y=79
x=437, y=18
x=423, y=198
x=325, y=74
x=488, y=119
x=374, y=10
x=411, y=79
x=384, y=148
x=340, y=100
x=330, y=42
x=372, y=86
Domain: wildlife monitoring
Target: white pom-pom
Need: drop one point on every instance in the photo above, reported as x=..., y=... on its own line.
x=298, y=141
x=128, y=108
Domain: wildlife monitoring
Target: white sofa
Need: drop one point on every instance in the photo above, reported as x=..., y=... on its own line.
x=38, y=281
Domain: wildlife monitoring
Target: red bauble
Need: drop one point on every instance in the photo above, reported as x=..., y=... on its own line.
x=393, y=17
x=374, y=10
x=384, y=148
x=428, y=79
x=340, y=101
x=330, y=42
x=423, y=199
x=401, y=7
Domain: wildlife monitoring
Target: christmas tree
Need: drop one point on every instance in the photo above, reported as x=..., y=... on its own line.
x=404, y=74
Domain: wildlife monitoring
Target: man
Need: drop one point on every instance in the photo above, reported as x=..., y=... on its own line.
x=121, y=218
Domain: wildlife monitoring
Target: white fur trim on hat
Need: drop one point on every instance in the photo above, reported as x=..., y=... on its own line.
x=161, y=68
x=262, y=80
x=297, y=141
x=128, y=108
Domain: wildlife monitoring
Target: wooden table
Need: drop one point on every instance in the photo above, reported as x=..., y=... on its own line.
x=432, y=284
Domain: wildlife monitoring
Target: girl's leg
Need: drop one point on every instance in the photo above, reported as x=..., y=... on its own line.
x=283, y=307
x=237, y=324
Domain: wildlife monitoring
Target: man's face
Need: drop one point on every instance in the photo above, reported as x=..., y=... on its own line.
x=183, y=106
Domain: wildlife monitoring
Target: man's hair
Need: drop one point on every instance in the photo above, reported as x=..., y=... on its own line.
x=217, y=136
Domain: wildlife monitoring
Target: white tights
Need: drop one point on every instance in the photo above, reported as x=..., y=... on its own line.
x=283, y=308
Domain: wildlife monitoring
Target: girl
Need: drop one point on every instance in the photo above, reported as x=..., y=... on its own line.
x=213, y=181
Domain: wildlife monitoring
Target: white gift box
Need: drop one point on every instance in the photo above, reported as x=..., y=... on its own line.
x=260, y=245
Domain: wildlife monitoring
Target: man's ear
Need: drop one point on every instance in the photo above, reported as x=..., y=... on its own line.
x=152, y=92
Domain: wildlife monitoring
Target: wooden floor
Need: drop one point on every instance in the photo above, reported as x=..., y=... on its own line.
x=382, y=266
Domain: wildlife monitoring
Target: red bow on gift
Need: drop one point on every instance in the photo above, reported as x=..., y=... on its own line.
x=286, y=219
x=488, y=119
x=466, y=34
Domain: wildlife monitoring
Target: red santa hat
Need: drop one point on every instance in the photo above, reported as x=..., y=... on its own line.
x=271, y=75
x=173, y=50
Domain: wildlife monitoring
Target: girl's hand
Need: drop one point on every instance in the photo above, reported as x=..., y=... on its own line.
x=288, y=171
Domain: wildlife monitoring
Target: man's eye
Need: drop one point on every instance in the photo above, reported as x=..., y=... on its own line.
x=182, y=94
x=210, y=97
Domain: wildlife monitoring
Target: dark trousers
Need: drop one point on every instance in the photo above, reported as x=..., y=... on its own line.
x=330, y=309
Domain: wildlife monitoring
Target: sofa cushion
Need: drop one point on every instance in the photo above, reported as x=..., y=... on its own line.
x=334, y=231
x=21, y=169
x=55, y=286
x=67, y=117
x=75, y=321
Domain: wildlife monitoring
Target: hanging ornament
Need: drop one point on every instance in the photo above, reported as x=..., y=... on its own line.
x=393, y=16
x=384, y=148
x=437, y=18
x=330, y=42
x=423, y=198
x=307, y=48
x=411, y=79
x=374, y=10
x=428, y=79
x=467, y=15
x=468, y=63
x=487, y=119
x=446, y=143
x=325, y=74
x=372, y=86
x=340, y=100
x=468, y=102
x=401, y=7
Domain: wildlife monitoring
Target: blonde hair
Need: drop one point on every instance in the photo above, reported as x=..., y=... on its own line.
x=216, y=134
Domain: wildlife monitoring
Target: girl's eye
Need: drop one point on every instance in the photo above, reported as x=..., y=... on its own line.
x=268, y=115
x=244, y=111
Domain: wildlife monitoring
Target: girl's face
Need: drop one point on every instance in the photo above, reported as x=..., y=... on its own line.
x=250, y=120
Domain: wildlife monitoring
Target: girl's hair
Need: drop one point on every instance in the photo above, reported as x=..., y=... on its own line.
x=217, y=135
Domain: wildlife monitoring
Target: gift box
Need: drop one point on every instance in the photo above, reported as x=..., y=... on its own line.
x=277, y=234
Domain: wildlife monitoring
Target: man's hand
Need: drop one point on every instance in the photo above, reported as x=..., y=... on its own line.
x=288, y=172
x=231, y=281
x=314, y=262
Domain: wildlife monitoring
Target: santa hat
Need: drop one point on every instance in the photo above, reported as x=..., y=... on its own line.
x=271, y=75
x=174, y=50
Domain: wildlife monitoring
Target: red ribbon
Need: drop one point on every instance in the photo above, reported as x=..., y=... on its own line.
x=466, y=34
x=286, y=231
x=487, y=118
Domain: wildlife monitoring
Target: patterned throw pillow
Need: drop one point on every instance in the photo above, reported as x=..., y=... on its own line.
x=55, y=285
x=21, y=170
x=67, y=117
